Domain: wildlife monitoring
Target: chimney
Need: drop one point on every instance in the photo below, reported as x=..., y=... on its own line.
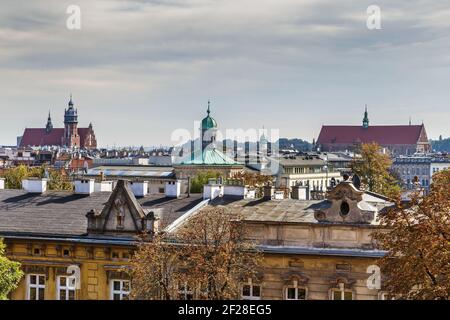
x=268, y=192
x=103, y=186
x=84, y=186
x=212, y=190
x=172, y=189
x=299, y=192
x=35, y=185
x=2, y=183
x=139, y=188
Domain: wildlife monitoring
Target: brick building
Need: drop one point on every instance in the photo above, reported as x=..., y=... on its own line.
x=397, y=139
x=70, y=136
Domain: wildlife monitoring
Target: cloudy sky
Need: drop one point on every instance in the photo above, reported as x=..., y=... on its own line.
x=140, y=69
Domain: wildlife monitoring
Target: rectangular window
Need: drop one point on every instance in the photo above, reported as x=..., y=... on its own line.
x=294, y=293
x=251, y=291
x=337, y=294
x=120, y=289
x=36, y=287
x=65, y=291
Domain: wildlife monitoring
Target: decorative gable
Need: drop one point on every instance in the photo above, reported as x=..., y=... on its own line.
x=121, y=214
x=346, y=205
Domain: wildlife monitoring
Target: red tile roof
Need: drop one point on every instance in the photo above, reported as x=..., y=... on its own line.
x=39, y=137
x=384, y=135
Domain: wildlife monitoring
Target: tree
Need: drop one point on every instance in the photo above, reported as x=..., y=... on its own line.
x=10, y=273
x=155, y=271
x=56, y=179
x=417, y=239
x=208, y=256
x=201, y=179
x=373, y=168
x=252, y=179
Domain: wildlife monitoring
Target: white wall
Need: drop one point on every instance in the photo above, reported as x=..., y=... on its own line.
x=35, y=185
x=140, y=189
x=84, y=186
x=103, y=186
x=173, y=189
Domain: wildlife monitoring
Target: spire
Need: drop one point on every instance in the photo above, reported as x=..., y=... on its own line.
x=49, y=125
x=70, y=101
x=409, y=120
x=208, y=111
x=366, y=119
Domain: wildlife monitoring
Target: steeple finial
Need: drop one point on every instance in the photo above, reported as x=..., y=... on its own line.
x=409, y=120
x=208, y=111
x=70, y=101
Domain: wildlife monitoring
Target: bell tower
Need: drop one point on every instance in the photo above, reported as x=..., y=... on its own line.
x=71, y=137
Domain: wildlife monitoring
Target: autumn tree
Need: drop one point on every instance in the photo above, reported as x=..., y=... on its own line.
x=417, y=240
x=207, y=256
x=57, y=180
x=155, y=270
x=373, y=169
x=10, y=273
x=252, y=179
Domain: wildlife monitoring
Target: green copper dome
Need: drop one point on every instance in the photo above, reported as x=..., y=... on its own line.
x=208, y=122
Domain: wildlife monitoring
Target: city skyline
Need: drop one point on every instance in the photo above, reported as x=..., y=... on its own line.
x=146, y=68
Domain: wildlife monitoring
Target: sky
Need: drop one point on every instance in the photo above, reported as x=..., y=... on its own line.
x=138, y=70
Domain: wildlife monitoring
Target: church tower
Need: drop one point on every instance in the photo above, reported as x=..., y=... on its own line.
x=49, y=125
x=366, y=119
x=208, y=130
x=71, y=137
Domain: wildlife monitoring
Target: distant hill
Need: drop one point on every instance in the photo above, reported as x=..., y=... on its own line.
x=298, y=144
x=441, y=145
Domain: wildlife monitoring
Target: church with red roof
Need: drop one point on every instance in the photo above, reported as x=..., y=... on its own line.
x=398, y=139
x=70, y=136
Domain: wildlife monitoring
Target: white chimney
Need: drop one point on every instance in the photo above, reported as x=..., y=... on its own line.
x=173, y=189
x=35, y=185
x=84, y=186
x=278, y=195
x=2, y=183
x=139, y=188
x=300, y=192
x=103, y=186
x=212, y=191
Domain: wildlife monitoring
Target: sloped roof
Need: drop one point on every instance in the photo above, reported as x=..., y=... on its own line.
x=385, y=135
x=209, y=156
x=63, y=214
x=40, y=137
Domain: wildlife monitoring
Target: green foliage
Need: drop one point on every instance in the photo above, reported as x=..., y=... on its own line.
x=373, y=168
x=56, y=180
x=201, y=179
x=442, y=145
x=10, y=273
x=14, y=177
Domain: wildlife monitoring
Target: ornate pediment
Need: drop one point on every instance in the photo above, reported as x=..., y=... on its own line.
x=121, y=213
x=345, y=205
